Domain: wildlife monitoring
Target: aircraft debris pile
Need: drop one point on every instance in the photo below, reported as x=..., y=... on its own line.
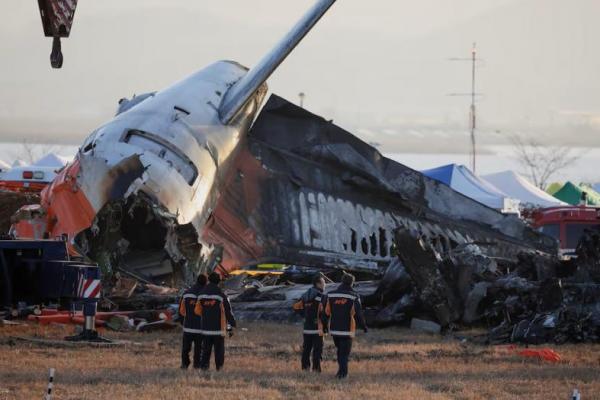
x=132, y=294
x=10, y=202
x=121, y=321
x=269, y=297
x=536, y=299
x=198, y=177
x=274, y=303
x=588, y=255
x=298, y=190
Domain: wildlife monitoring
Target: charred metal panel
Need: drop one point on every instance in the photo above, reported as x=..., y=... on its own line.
x=307, y=192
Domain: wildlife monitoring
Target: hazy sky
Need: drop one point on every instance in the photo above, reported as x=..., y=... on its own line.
x=379, y=68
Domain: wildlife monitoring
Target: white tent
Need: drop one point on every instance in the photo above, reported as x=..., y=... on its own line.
x=516, y=186
x=51, y=160
x=461, y=179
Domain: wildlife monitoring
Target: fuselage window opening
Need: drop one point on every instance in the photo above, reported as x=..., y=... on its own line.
x=156, y=145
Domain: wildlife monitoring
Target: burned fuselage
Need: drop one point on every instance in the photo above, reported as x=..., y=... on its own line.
x=297, y=189
x=176, y=182
x=307, y=192
x=147, y=181
x=151, y=175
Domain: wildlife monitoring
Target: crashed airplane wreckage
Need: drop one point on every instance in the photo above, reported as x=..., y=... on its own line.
x=534, y=299
x=300, y=190
x=194, y=178
x=307, y=192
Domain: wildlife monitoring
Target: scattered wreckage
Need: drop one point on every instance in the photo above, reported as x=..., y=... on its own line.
x=535, y=299
x=303, y=191
x=254, y=302
x=196, y=177
x=10, y=203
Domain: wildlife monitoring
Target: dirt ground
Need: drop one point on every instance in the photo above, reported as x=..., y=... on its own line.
x=262, y=363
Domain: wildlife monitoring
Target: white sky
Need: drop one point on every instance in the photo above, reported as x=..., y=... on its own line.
x=370, y=65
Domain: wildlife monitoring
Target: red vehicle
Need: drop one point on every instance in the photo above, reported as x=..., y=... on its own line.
x=566, y=224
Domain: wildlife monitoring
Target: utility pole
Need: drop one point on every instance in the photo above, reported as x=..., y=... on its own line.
x=473, y=114
x=472, y=111
x=301, y=95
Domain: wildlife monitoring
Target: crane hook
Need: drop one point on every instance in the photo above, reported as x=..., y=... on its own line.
x=56, y=57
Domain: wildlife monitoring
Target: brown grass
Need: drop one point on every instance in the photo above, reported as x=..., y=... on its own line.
x=262, y=363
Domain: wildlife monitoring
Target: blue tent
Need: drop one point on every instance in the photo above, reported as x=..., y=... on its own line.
x=461, y=179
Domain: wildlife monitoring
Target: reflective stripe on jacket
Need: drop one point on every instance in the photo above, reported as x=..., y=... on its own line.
x=343, y=311
x=214, y=308
x=311, y=306
x=192, y=323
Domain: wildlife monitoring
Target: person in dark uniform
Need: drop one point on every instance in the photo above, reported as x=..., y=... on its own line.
x=342, y=313
x=217, y=320
x=311, y=306
x=191, y=324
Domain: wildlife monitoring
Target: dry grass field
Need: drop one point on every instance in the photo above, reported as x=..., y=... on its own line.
x=262, y=363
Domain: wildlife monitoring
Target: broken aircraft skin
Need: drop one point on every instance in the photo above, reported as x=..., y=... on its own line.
x=148, y=180
x=535, y=300
x=150, y=172
x=174, y=184
x=305, y=191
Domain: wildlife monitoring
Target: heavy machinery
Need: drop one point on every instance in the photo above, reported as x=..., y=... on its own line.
x=40, y=272
x=567, y=224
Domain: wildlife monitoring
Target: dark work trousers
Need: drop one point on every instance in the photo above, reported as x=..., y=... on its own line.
x=218, y=342
x=188, y=339
x=344, y=346
x=312, y=343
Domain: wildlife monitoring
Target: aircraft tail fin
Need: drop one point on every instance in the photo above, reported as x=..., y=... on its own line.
x=239, y=94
